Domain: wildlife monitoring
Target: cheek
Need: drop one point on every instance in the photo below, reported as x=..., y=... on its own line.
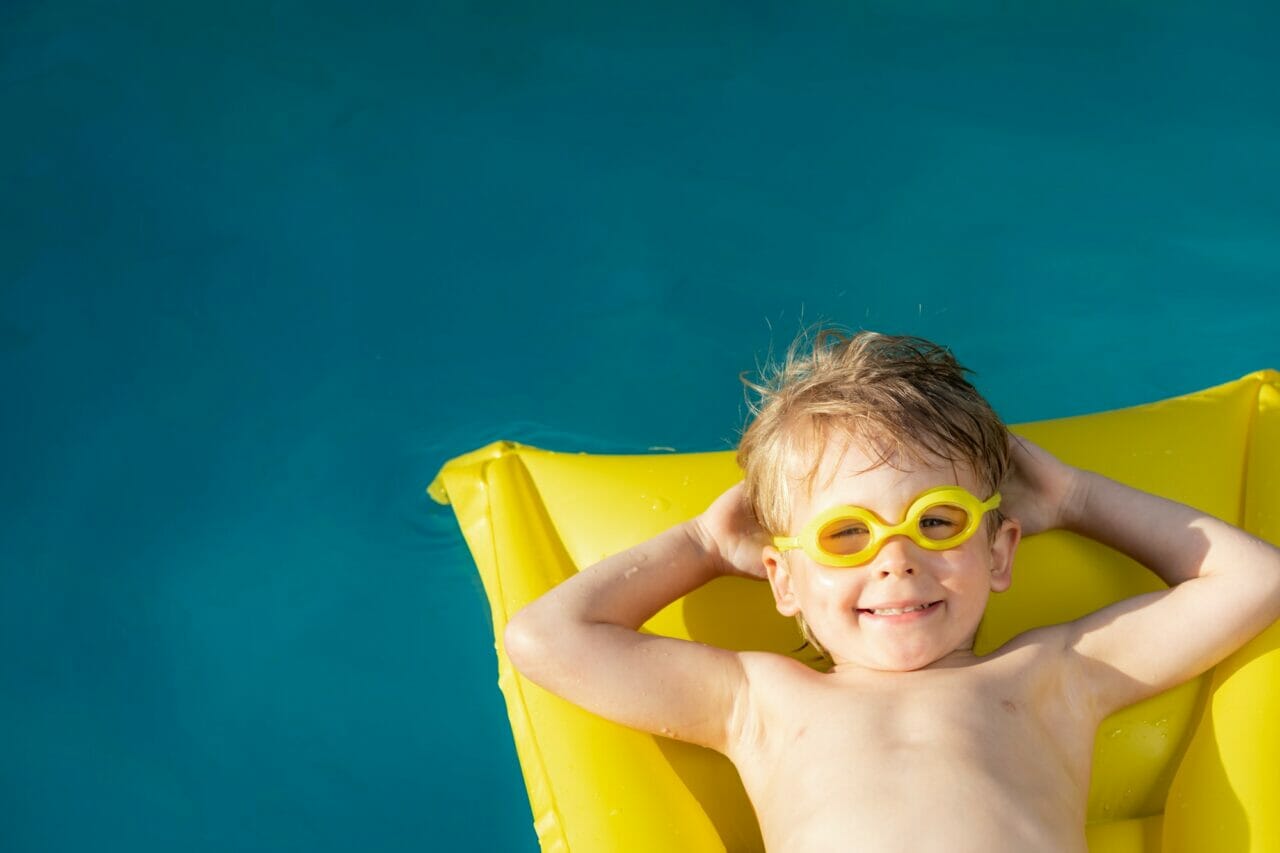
x=969, y=573
x=823, y=581
x=824, y=586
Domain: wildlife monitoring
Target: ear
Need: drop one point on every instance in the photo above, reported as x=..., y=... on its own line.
x=780, y=581
x=1002, y=551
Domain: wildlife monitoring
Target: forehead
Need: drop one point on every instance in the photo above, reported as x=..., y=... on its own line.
x=875, y=475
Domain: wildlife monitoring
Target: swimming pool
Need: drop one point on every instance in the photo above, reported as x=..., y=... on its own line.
x=266, y=268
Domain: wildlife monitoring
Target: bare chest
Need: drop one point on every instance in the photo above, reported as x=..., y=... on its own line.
x=983, y=745
x=935, y=715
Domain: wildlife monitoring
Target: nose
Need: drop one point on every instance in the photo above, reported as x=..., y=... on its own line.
x=896, y=558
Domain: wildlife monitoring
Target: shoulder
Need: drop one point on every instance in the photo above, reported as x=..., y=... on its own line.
x=770, y=682
x=1045, y=641
x=1045, y=662
x=766, y=672
x=1040, y=655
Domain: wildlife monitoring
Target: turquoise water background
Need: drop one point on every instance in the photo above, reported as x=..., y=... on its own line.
x=265, y=266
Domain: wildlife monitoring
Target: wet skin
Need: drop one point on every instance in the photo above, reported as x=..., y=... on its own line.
x=910, y=736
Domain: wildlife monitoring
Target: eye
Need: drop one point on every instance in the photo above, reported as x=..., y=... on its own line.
x=846, y=531
x=943, y=521
x=844, y=536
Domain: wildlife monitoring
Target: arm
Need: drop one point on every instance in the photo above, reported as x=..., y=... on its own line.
x=581, y=640
x=1225, y=583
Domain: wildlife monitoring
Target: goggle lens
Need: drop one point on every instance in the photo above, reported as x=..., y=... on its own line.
x=941, y=522
x=844, y=536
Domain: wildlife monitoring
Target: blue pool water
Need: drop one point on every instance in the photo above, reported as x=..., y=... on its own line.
x=264, y=267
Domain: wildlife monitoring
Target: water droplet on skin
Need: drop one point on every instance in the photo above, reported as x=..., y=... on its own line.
x=629, y=572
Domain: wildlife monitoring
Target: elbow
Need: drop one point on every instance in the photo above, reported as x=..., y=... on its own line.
x=523, y=641
x=541, y=642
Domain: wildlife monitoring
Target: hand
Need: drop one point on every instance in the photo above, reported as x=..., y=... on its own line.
x=729, y=532
x=1041, y=491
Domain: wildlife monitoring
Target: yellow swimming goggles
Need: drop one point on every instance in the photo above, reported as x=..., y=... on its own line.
x=845, y=536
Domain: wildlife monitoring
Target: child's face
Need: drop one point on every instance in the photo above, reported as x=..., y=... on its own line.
x=840, y=604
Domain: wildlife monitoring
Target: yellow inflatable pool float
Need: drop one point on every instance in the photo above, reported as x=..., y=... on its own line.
x=1194, y=769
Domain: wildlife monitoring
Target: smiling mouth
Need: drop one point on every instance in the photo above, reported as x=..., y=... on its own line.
x=898, y=611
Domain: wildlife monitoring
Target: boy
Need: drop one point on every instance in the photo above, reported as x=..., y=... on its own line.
x=883, y=501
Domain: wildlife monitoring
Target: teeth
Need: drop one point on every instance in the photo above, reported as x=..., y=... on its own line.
x=898, y=611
